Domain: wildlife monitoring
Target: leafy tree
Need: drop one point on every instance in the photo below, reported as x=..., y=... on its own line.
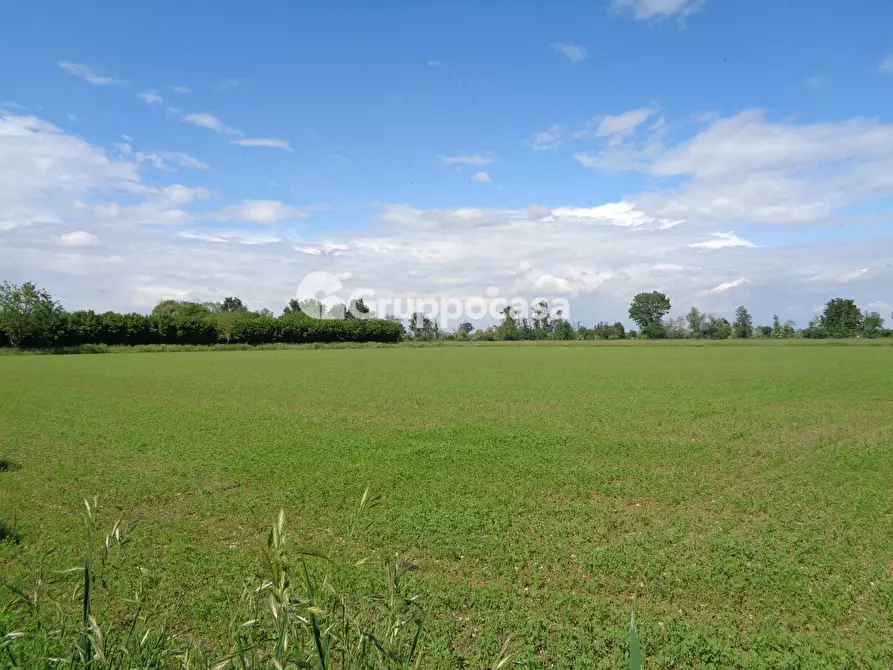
x=716, y=328
x=28, y=314
x=765, y=331
x=423, y=328
x=338, y=312
x=229, y=324
x=465, y=327
x=675, y=329
x=695, y=320
x=508, y=329
x=789, y=329
x=743, y=325
x=841, y=318
x=542, y=325
x=182, y=308
x=776, y=326
x=293, y=307
x=232, y=304
x=562, y=328
x=312, y=307
x=647, y=310
x=360, y=309
x=872, y=324
x=815, y=330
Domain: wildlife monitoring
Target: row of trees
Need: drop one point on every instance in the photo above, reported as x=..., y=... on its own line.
x=841, y=318
x=30, y=318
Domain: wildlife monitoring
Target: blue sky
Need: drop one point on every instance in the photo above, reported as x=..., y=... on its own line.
x=724, y=152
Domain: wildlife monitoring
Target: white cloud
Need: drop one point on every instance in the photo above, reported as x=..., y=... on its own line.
x=434, y=63
x=574, y=52
x=165, y=239
x=211, y=122
x=745, y=167
x=723, y=241
x=622, y=124
x=179, y=89
x=727, y=285
x=481, y=178
x=87, y=74
x=548, y=139
x=886, y=66
x=150, y=97
x=183, y=159
x=616, y=213
x=161, y=159
x=645, y=10
x=78, y=238
x=263, y=142
x=467, y=159
x=178, y=195
x=263, y=212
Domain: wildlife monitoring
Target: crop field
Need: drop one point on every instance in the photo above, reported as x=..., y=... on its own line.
x=743, y=495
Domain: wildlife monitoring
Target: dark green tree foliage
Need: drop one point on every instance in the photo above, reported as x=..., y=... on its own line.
x=743, y=325
x=716, y=328
x=28, y=315
x=508, y=329
x=562, y=328
x=647, y=310
x=232, y=304
x=423, y=328
x=842, y=318
x=30, y=318
x=292, y=307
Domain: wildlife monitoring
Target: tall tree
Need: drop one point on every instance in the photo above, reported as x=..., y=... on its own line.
x=232, y=304
x=647, y=310
x=27, y=313
x=230, y=324
x=872, y=324
x=358, y=310
x=508, y=329
x=695, y=321
x=293, y=307
x=842, y=318
x=743, y=325
x=182, y=308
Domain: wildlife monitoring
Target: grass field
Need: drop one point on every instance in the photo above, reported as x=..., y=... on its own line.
x=742, y=494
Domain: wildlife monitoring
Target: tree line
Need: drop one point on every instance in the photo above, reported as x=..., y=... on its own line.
x=841, y=318
x=31, y=318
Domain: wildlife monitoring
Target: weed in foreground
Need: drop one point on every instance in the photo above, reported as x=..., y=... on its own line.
x=286, y=617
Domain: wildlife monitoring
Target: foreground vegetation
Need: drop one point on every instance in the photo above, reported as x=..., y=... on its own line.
x=740, y=494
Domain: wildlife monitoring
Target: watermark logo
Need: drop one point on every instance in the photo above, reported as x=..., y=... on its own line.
x=322, y=295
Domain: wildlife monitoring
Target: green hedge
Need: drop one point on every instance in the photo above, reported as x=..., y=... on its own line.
x=71, y=329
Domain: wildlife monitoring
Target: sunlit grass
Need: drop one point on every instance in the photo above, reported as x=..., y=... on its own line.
x=741, y=493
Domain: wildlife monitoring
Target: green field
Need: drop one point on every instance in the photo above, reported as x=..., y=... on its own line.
x=742, y=494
